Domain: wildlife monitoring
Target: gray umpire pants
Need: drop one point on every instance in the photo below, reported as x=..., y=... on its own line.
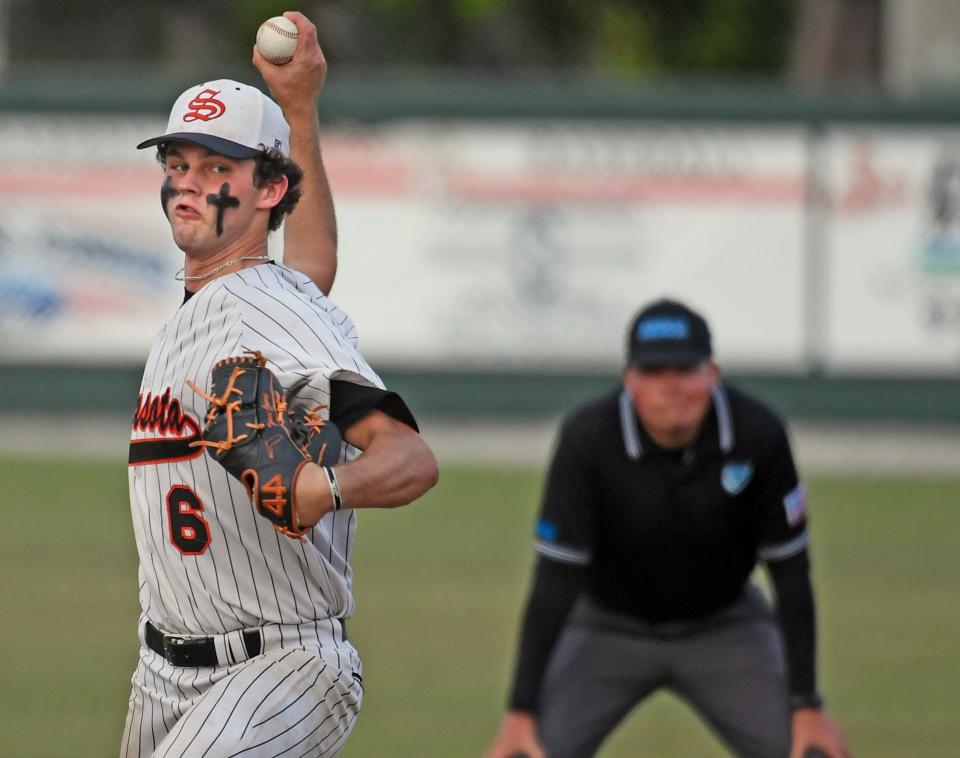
x=729, y=667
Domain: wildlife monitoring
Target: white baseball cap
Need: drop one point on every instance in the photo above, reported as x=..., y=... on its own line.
x=227, y=117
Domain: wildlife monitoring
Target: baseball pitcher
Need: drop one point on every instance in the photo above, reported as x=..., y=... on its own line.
x=259, y=432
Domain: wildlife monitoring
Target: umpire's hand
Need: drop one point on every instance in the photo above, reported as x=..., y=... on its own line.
x=517, y=738
x=814, y=730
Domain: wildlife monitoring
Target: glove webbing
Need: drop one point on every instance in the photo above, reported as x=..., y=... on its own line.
x=224, y=404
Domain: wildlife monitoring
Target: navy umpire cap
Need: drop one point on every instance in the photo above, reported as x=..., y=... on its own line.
x=668, y=333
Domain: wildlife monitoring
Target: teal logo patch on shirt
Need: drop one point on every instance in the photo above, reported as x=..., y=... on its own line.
x=735, y=476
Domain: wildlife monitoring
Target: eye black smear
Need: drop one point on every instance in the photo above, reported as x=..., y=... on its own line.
x=166, y=192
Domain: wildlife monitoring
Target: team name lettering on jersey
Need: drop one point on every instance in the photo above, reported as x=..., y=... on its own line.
x=174, y=429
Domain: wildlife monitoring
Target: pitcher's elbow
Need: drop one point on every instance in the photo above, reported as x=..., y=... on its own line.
x=429, y=470
x=434, y=475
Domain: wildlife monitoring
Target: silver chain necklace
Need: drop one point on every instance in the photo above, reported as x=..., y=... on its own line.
x=181, y=278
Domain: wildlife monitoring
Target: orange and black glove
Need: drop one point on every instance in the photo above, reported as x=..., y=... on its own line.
x=251, y=433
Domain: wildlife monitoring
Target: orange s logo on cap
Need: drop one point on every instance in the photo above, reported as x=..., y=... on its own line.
x=205, y=107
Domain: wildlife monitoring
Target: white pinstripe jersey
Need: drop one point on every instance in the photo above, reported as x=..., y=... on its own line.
x=208, y=562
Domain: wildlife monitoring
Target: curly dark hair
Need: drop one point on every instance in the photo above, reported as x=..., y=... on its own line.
x=270, y=165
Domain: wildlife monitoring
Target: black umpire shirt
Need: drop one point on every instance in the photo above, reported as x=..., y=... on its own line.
x=668, y=535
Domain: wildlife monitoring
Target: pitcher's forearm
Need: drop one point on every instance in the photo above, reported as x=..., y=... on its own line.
x=393, y=471
x=310, y=234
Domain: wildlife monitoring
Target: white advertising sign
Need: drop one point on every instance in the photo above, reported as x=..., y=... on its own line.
x=532, y=245
x=86, y=268
x=893, y=251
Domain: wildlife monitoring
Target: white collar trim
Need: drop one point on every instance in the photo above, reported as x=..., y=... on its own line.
x=629, y=425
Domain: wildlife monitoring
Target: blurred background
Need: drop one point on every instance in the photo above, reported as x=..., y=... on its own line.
x=513, y=180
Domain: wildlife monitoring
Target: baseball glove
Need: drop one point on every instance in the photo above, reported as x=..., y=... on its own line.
x=319, y=438
x=251, y=433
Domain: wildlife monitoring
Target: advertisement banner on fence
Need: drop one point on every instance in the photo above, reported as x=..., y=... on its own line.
x=533, y=245
x=892, y=253
x=497, y=245
x=86, y=262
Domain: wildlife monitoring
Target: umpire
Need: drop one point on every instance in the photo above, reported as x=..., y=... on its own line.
x=660, y=499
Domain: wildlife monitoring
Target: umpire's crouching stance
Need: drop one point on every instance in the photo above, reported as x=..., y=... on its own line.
x=660, y=499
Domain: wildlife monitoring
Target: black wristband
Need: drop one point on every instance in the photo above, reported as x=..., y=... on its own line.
x=806, y=700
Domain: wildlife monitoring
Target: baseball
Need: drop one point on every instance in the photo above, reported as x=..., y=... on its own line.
x=277, y=40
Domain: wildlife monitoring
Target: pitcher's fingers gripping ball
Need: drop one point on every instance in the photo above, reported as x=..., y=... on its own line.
x=248, y=431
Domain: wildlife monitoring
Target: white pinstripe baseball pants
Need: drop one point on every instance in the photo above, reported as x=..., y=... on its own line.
x=293, y=702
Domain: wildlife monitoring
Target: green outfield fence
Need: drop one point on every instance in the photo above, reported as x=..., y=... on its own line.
x=370, y=95
x=503, y=396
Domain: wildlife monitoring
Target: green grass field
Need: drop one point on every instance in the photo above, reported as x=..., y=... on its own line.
x=439, y=588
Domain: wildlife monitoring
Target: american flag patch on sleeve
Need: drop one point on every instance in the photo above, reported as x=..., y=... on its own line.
x=795, y=505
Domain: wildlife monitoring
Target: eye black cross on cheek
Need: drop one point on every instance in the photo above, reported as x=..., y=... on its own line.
x=221, y=202
x=166, y=192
